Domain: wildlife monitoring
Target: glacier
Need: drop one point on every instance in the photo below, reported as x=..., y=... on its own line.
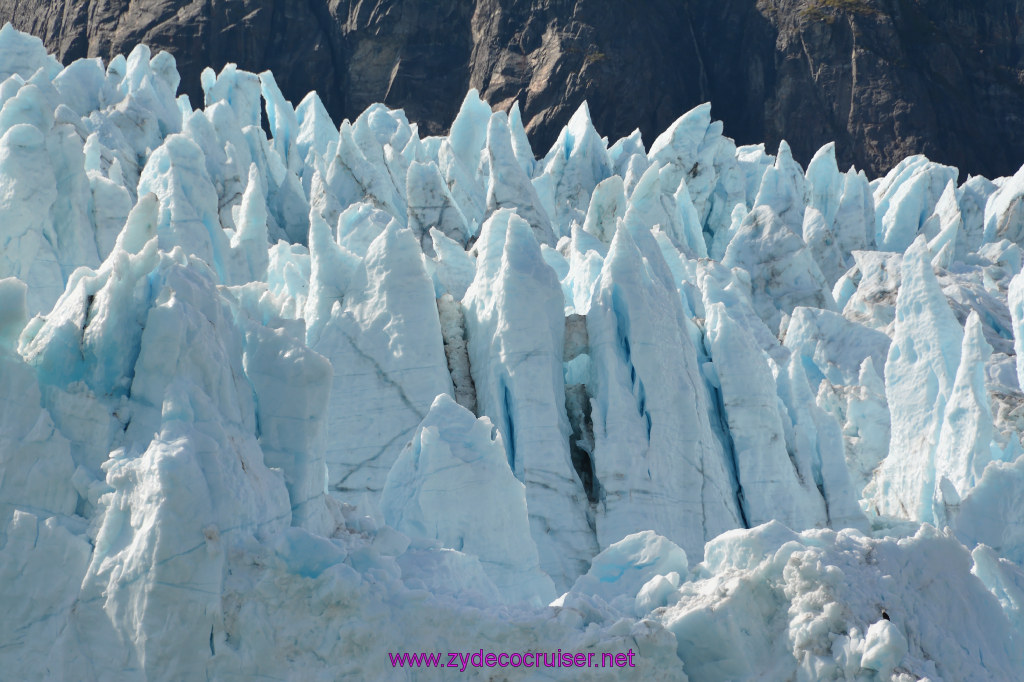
x=283, y=398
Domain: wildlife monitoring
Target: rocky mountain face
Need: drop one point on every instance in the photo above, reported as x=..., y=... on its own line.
x=883, y=78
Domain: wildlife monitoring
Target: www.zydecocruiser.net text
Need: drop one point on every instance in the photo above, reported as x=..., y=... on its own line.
x=461, y=660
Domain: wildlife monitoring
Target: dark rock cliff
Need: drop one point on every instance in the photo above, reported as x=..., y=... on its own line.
x=884, y=78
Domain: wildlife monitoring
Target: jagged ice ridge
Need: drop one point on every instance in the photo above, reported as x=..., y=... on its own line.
x=276, y=405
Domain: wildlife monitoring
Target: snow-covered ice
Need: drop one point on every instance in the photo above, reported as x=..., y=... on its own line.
x=277, y=402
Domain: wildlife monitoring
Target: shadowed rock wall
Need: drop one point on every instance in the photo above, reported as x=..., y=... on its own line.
x=884, y=78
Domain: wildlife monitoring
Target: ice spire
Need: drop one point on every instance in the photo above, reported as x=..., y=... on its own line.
x=451, y=483
x=919, y=376
x=965, y=438
x=508, y=186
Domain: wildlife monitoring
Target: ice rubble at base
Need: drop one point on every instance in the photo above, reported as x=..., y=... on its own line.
x=278, y=405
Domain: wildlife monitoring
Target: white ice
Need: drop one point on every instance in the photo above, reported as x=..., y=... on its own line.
x=439, y=394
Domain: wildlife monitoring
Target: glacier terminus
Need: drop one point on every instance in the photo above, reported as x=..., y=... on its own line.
x=279, y=398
